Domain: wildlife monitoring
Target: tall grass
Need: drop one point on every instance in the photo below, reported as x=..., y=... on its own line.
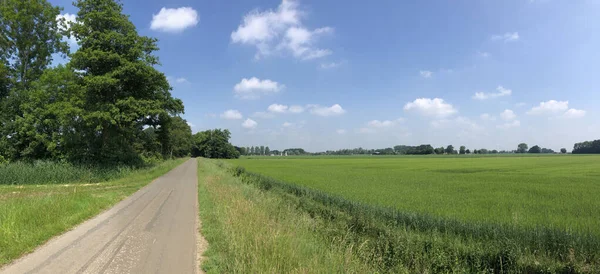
x=391, y=240
x=47, y=172
x=251, y=231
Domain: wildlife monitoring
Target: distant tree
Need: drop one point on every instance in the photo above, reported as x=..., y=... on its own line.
x=494, y=151
x=468, y=151
x=439, y=150
x=589, y=147
x=252, y=150
x=449, y=149
x=214, y=144
x=563, y=150
x=535, y=149
x=267, y=151
x=522, y=148
x=483, y=151
x=462, y=150
x=547, y=150
x=262, y=150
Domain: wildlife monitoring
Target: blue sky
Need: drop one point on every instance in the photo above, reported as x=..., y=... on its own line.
x=337, y=74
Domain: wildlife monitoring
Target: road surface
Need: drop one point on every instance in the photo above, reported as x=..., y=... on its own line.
x=153, y=231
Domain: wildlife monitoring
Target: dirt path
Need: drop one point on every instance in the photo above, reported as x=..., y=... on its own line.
x=153, y=231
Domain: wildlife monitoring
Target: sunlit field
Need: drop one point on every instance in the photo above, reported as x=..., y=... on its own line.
x=556, y=191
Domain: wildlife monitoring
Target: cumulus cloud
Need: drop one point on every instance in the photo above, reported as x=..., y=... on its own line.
x=385, y=123
x=276, y=108
x=501, y=93
x=508, y=115
x=508, y=125
x=507, y=37
x=253, y=88
x=280, y=30
x=549, y=107
x=574, y=113
x=68, y=20
x=430, y=107
x=249, y=124
x=487, y=117
x=174, y=20
x=334, y=110
x=231, y=114
x=330, y=65
x=296, y=109
x=425, y=73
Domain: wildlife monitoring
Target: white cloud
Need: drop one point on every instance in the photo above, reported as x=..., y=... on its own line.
x=287, y=124
x=253, y=88
x=385, y=123
x=508, y=125
x=231, y=114
x=276, y=108
x=507, y=37
x=501, y=93
x=280, y=30
x=190, y=124
x=296, y=109
x=174, y=20
x=334, y=110
x=508, y=115
x=487, y=117
x=483, y=54
x=69, y=19
x=331, y=65
x=249, y=123
x=574, y=113
x=549, y=107
x=340, y=131
x=181, y=80
x=426, y=73
x=431, y=107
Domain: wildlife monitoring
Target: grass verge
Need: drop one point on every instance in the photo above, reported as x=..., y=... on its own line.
x=252, y=231
x=32, y=214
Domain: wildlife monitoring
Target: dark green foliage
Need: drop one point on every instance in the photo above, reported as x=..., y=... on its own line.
x=390, y=240
x=535, y=149
x=214, y=144
x=587, y=147
x=522, y=148
x=563, y=150
x=462, y=150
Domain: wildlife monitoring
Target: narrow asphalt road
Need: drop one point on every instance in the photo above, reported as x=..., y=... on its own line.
x=153, y=231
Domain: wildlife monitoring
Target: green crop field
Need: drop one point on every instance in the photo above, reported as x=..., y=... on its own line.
x=554, y=191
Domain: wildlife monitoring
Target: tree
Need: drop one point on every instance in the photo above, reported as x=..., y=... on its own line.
x=262, y=150
x=175, y=136
x=252, y=150
x=248, y=152
x=123, y=90
x=214, y=144
x=29, y=36
x=563, y=150
x=267, y=151
x=462, y=150
x=522, y=148
x=439, y=150
x=586, y=147
x=535, y=149
x=449, y=149
x=468, y=151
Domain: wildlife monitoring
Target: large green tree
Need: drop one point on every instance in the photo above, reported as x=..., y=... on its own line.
x=29, y=36
x=522, y=148
x=123, y=90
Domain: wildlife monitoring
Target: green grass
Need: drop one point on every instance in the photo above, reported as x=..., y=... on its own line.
x=48, y=172
x=30, y=214
x=553, y=191
x=251, y=231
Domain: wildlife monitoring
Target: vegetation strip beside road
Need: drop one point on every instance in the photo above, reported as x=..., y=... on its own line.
x=380, y=239
x=252, y=231
x=32, y=214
